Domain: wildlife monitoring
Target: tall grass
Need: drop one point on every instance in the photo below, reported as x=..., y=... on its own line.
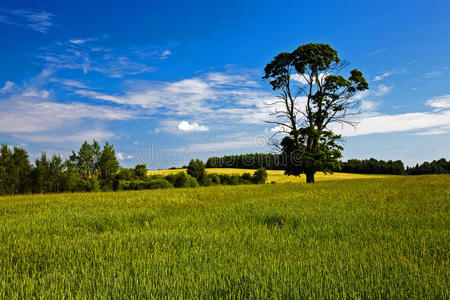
x=377, y=238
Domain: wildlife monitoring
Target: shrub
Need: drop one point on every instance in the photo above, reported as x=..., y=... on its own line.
x=196, y=169
x=128, y=185
x=247, y=177
x=140, y=171
x=260, y=176
x=158, y=183
x=230, y=179
x=215, y=178
x=184, y=180
x=205, y=180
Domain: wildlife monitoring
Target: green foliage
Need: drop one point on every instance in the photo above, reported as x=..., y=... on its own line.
x=140, y=171
x=268, y=161
x=15, y=171
x=149, y=184
x=215, y=178
x=373, y=166
x=108, y=165
x=196, y=169
x=441, y=166
x=363, y=239
x=182, y=180
x=260, y=176
x=311, y=146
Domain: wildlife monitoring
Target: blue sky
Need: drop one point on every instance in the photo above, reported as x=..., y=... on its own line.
x=168, y=81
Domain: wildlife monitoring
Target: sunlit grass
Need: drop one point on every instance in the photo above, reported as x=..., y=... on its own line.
x=278, y=176
x=364, y=238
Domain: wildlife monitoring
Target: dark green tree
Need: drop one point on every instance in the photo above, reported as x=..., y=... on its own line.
x=108, y=166
x=15, y=171
x=196, y=169
x=5, y=167
x=313, y=95
x=260, y=176
x=41, y=174
x=140, y=171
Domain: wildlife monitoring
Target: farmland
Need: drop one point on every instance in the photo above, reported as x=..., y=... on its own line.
x=363, y=238
x=277, y=176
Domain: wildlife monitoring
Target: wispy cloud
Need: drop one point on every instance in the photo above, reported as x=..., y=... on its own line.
x=90, y=55
x=210, y=97
x=433, y=74
x=33, y=20
x=8, y=86
x=165, y=54
x=378, y=51
x=437, y=121
x=73, y=137
x=439, y=102
x=435, y=131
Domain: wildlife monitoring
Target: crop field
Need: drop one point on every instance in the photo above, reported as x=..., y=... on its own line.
x=277, y=176
x=362, y=238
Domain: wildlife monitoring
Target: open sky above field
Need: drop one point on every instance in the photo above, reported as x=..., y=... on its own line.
x=166, y=81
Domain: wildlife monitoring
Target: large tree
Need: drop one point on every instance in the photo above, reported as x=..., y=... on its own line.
x=312, y=96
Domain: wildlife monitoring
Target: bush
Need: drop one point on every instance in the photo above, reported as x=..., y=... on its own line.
x=230, y=179
x=158, y=183
x=184, y=180
x=140, y=171
x=247, y=177
x=205, y=180
x=130, y=185
x=215, y=179
x=89, y=185
x=260, y=176
x=196, y=169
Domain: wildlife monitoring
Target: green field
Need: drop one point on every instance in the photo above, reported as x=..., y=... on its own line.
x=363, y=238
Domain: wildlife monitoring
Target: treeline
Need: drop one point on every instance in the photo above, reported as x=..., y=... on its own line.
x=271, y=161
x=440, y=166
x=92, y=168
x=372, y=166
x=96, y=168
x=268, y=161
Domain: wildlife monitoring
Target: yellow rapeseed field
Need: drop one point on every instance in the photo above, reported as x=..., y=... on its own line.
x=277, y=176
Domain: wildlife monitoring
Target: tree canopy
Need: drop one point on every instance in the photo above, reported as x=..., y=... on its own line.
x=312, y=96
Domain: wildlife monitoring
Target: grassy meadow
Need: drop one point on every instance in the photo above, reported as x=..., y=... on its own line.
x=277, y=176
x=362, y=238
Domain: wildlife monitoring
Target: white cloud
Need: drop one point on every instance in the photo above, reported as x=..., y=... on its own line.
x=37, y=21
x=378, y=51
x=439, y=102
x=240, y=144
x=432, y=74
x=165, y=54
x=123, y=156
x=379, y=123
x=367, y=105
x=64, y=137
x=382, y=76
x=89, y=55
x=70, y=83
x=435, y=131
x=382, y=90
x=9, y=85
x=191, y=127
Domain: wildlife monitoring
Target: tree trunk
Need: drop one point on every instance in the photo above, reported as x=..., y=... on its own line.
x=310, y=176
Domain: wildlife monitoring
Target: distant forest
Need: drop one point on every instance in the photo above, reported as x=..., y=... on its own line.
x=273, y=161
